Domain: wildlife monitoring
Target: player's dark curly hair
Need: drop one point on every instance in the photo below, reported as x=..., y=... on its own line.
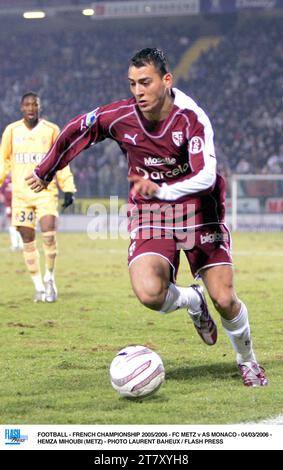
x=151, y=56
x=29, y=93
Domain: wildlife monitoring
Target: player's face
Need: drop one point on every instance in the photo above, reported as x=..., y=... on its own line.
x=30, y=108
x=150, y=90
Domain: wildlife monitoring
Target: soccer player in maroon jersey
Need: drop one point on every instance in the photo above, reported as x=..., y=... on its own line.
x=177, y=200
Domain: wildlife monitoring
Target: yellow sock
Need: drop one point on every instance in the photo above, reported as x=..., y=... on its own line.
x=31, y=257
x=50, y=249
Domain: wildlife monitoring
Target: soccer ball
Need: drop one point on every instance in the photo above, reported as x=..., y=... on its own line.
x=136, y=371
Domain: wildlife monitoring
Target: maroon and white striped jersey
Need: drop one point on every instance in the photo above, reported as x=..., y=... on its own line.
x=177, y=154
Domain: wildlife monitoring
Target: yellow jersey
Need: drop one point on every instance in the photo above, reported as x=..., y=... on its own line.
x=22, y=149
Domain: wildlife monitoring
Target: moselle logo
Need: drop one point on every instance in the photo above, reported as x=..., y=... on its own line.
x=157, y=161
x=196, y=145
x=13, y=437
x=91, y=118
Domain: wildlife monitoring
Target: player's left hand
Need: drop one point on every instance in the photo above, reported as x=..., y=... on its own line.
x=35, y=183
x=68, y=200
x=146, y=188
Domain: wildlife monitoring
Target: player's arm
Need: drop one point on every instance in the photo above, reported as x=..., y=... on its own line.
x=65, y=179
x=35, y=183
x=5, y=154
x=202, y=162
x=75, y=137
x=146, y=188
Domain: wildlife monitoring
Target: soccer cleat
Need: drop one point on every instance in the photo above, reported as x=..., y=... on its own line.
x=39, y=296
x=252, y=374
x=50, y=291
x=203, y=322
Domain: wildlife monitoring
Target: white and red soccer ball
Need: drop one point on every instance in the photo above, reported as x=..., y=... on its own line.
x=136, y=371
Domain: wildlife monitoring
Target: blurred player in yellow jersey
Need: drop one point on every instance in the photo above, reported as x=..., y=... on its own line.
x=24, y=145
x=6, y=199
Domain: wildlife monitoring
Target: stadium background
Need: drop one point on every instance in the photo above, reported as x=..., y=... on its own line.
x=226, y=54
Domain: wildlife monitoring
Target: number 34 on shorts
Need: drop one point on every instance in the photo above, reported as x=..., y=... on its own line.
x=25, y=216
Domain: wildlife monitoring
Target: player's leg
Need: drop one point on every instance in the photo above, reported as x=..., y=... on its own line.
x=219, y=283
x=212, y=261
x=153, y=264
x=150, y=278
x=30, y=251
x=47, y=214
x=234, y=317
x=198, y=310
x=15, y=237
x=48, y=225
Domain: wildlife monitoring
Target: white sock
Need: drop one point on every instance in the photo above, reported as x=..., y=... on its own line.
x=180, y=297
x=48, y=276
x=238, y=331
x=15, y=237
x=38, y=284
x=19, y=240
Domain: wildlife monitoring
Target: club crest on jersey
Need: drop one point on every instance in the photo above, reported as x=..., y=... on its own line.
x=196, y=144
x=90, y=118
x=177, y=137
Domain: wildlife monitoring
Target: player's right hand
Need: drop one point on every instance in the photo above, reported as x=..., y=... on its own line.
x=35, y=183
x=146, y=188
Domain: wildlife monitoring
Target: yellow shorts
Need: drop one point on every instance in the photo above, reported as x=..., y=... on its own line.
x=27, y=211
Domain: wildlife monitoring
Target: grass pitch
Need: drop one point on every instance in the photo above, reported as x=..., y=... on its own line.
x=55, y=357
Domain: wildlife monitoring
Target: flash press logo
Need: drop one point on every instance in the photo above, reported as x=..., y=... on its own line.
x=13, y=437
